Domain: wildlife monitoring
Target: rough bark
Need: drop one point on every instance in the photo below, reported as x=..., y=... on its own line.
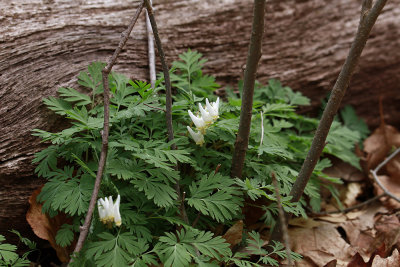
x=44, y=44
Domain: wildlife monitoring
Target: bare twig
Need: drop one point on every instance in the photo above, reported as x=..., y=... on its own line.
x=253, y=57
x=105, y=72
x=335, y=99
x=151, y=52
x=168, y=93
x=358, y=206
x=282, y=219
x=375, y=171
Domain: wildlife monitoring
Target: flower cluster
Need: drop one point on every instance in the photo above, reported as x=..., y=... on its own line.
x=109, y=211
x=209, y=114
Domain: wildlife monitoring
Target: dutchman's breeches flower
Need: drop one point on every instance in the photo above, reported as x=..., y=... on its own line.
x=209, y=114
x=207, y=118
x=198, y=121
x=213, y=108
x=109, y=211
x=197, y=137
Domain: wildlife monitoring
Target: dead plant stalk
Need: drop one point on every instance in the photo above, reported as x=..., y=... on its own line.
x=84, y=229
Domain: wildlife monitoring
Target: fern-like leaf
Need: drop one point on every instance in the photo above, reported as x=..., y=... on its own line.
x=215, y=195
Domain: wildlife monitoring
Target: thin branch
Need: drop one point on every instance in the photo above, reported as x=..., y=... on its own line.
x=332, y=107
x=253, y=57
x=358, y=206
x=375, y=171
x=282, y=218
x=106, y=127
x=168, y=104
x=151, y=52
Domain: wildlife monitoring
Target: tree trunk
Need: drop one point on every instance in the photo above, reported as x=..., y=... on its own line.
x=44, y=44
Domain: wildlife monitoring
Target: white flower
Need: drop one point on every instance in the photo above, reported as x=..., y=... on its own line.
x=213, y=109
x=206, y=116
x=198, y=121
x=109, y=211
x=197, y=137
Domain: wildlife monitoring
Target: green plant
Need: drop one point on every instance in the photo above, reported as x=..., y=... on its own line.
x=142, y=166
x=8, y=254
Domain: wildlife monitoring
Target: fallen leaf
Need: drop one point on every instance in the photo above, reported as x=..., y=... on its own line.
x=332, y=263
x=379, y=144
x=393, y=186
x=45, y=227
x=333, y=218
x=393, y=168
x=361, y=232
x=388, y=232
x=354, y=214
x=392, y=261
x=321, y=244
x=345, y=171
x=234, y=235
x=357, y=261
x=352, y=192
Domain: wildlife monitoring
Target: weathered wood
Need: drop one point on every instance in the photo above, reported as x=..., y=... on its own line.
x=44, y=44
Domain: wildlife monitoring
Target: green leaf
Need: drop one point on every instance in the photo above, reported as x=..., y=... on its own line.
x=215, y=195
x=116, y=250
x=93, y=79
x=59, y=106
x=180, y=249
x=353, y=122
x=65, y=235
x=71, y=95
x=67, y=193
x=47, y=159
x=7, y=252
x=162, y=194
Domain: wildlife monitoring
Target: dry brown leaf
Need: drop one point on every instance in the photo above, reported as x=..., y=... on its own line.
x=393, y=186
x=379, y=144
x=393, y=168
x=357, y=261
x=321, y=244
x=361, y=232
x=345, y=171
x=392, y=261
x=45, y=227
x=234, y=234
x=352, y=192
x=388, y=231
x=354, y=214
x=333, y=218
x=332, y=263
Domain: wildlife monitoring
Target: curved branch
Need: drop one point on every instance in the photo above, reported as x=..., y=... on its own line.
x=106, y=128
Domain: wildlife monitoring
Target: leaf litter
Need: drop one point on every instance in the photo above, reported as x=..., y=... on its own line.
x=368, y=236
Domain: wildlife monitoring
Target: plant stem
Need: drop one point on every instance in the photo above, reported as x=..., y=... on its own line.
x=367, y=21
x=106, y=128
x=168, y=93
x=253, y=57
x=281, y=213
